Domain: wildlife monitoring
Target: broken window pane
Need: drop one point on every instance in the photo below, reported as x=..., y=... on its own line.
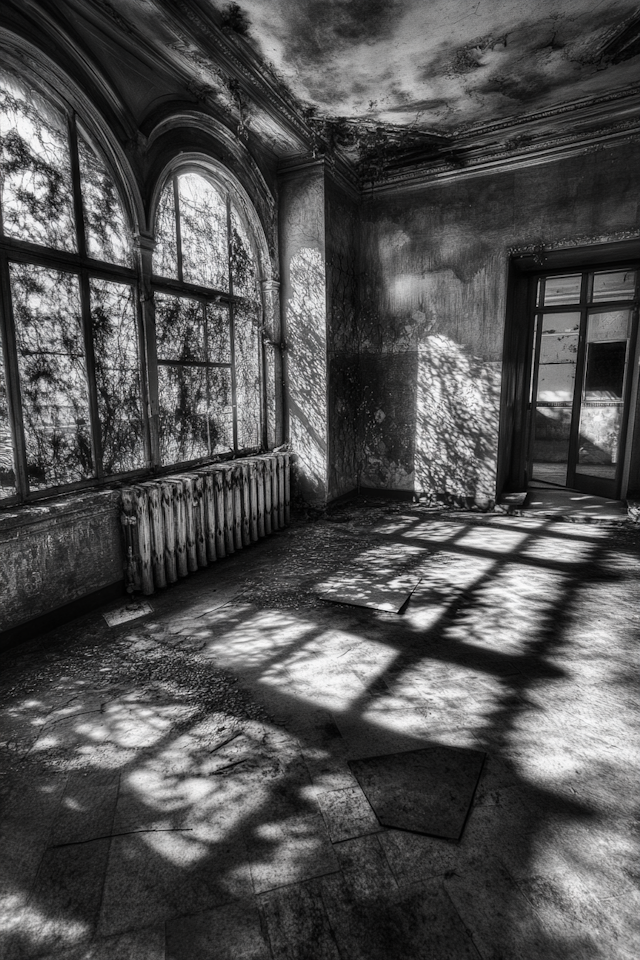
x=195, y=409
x=7, y=474
x=203, y=231
x=117, y=365
x=244, y=272
x=218, y=335
x=179, y=328
x=53, y=385
x=247, y=367
x=37, y=195
x=105, y=224
x=165, y=254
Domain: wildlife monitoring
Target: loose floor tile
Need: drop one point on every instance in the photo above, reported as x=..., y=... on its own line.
x=158, y=876
x=427, y=791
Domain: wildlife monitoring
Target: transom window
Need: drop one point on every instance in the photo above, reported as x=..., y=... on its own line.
x=74, y=391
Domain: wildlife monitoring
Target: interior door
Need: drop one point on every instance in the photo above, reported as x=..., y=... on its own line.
x=585, y=331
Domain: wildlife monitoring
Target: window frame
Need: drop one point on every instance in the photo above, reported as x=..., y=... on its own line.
x=86, y=268
x=210, y=295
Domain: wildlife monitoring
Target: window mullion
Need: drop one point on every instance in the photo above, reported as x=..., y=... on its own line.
x=176, y=204
x=232, y=338
x=77, y=186
x=14, y=400
x=90, y=360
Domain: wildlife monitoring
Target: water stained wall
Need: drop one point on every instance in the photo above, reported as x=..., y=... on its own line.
x=343, y=339
x=434, y=271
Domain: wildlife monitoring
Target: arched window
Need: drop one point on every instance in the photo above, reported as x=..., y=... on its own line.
x=208, y=319
x=70, y=386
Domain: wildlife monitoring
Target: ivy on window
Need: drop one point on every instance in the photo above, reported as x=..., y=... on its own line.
x=37, y=193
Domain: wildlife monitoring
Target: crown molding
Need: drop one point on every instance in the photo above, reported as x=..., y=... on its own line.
x=599, y=123
x=339, y=170
x=235, y=56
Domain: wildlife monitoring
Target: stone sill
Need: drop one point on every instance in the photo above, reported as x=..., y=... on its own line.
x=59, y=509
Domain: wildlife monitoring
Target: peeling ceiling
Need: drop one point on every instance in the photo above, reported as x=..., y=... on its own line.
x=391, y=83
x=441, y=65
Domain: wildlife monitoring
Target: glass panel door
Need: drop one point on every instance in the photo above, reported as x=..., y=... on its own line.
x=602, y=400
x=584, y=335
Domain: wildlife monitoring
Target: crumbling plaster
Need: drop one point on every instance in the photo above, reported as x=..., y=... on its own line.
x=434, y=284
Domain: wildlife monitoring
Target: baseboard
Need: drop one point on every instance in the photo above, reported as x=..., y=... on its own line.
x=55, y=618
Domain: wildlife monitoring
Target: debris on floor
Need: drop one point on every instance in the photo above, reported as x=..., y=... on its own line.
x=182, y=786
x=132, y=611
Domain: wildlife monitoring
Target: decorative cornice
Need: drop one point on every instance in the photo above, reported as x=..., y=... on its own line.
x=537, y=249
x=482, y=161
x=263, y=83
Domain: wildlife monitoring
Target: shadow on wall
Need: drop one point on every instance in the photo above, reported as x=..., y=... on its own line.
x=458, y=405
x=307, y=376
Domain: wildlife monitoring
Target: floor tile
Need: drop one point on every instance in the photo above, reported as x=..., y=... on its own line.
x=297, y=924
x=232, y=932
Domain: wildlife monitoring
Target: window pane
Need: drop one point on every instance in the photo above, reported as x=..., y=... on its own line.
x=612, y=325
x=46, y=307
x=552, y=427
x=179, y=328
x=195, y=412
x=115, y=344
x=599, y=437
x=555, y=382
x=561, y=323
x=218, y=334
x=105, y=224
x=165, y=255
x=7, y=475
x=247, y=367
x=614, y=286
x=243, y=264
x=37, y=197
x=221, y=410
x=203, y=230
x=562, y=290
x=604, y=374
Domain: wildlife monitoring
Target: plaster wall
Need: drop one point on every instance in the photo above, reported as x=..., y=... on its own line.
x=304, y=310
x=55, y=553
x=343, y=340
x=434, y=276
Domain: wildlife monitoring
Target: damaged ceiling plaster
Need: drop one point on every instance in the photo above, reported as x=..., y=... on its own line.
x=395, y=83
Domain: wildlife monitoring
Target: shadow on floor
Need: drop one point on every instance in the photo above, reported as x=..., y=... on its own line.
x=179, y=787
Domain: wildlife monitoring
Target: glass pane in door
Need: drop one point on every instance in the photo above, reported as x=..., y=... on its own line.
x=554, y=395
x=603, y=393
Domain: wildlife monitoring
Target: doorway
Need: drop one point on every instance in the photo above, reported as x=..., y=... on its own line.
x=584, y=332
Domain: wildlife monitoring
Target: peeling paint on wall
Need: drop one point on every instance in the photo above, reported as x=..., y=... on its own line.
x=56, y=553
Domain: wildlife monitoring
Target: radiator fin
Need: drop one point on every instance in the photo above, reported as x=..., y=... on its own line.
x=178, y=524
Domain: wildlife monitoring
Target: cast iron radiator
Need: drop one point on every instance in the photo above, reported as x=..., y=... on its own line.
x=175, y=525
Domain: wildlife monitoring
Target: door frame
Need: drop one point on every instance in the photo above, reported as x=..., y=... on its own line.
x=513, y=444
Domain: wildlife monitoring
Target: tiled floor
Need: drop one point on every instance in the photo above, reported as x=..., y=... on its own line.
x=178, y=787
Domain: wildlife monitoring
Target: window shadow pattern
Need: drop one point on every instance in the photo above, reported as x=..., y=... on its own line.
x=184, y=780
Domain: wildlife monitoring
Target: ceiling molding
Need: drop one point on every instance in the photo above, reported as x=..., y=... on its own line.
x=597, y=125
x=260, y=83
